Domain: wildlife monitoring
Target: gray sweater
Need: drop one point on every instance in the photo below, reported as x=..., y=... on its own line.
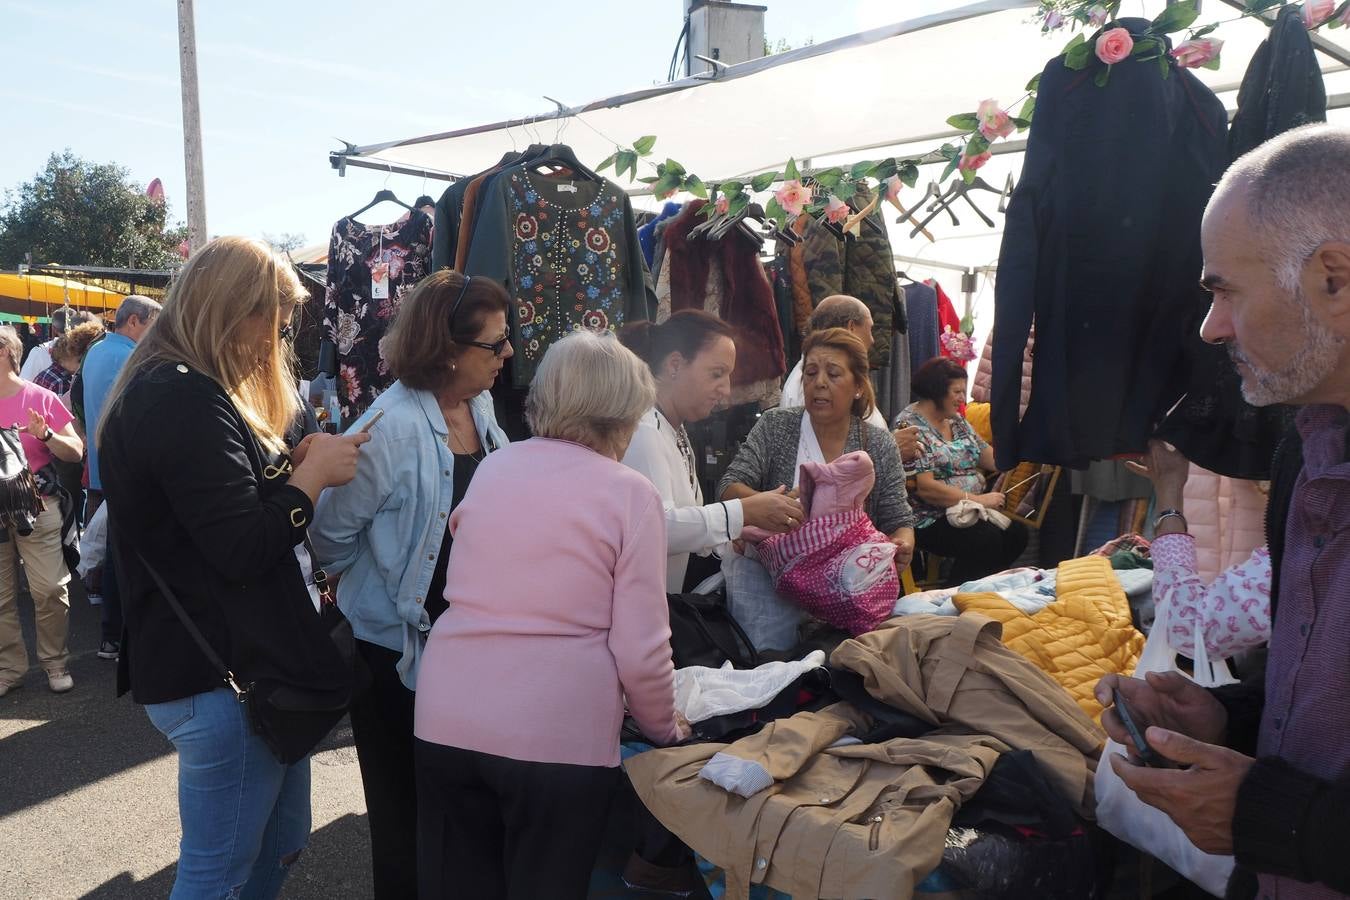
x=768, y=458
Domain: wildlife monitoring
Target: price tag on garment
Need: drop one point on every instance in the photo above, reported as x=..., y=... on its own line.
x=567, y=188
x=379, y=281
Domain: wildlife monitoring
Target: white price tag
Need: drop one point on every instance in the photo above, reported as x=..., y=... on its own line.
x=379, y=281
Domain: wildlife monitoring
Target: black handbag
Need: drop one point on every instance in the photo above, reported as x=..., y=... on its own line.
x=20, y=503
x=290, y=720
x=704, y=633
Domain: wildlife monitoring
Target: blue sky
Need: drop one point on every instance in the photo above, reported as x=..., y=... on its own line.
x=280, y=81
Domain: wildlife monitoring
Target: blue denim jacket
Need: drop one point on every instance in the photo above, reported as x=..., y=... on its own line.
x=382, y=532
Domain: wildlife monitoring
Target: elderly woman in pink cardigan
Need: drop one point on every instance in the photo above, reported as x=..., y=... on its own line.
x=557, y=618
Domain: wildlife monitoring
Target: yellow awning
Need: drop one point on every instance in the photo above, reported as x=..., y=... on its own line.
x=49, y=291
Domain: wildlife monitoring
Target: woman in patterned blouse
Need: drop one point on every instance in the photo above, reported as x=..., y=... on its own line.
x=953, y=467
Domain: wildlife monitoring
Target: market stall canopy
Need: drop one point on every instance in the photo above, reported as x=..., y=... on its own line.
x=36, y=295
x=891, y=88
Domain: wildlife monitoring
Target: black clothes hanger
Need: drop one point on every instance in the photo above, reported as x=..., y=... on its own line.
x=384, y=195
x=561, y=154
x=930, y=192
x=957, y=190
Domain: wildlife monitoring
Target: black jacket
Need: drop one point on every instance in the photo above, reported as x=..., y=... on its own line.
x=1102, y=248
x=191, y=489
x=1213, y=426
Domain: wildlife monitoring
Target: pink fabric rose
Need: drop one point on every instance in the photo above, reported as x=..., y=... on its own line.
x=994, y=122
x=1114, y=46
x=1053, y=20
x=1197, y=53
x=793, y=197
x=1098, y=16
x=836, y=210
x=974, y=163
x=893, y=187
x=722, y=205
x=1315, y=12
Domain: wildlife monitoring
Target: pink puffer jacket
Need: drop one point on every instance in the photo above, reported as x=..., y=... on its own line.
x=984, y=373
x=1227, y=518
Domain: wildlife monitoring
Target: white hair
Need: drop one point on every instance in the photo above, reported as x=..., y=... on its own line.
x=1297, y=194
x=589, y=388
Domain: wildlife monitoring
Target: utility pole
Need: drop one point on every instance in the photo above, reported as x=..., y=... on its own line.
x=192, y=127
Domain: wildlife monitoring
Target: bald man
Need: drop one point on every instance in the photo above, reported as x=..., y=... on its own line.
x=851, y=314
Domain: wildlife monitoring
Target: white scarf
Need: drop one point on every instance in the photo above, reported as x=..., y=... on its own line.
x=808, y=449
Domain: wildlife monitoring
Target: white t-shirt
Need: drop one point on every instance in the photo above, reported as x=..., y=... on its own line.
x=794, y=395
x=39, y=360
x=691, y=527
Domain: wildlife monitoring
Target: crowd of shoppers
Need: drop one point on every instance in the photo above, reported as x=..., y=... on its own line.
x=489, y=774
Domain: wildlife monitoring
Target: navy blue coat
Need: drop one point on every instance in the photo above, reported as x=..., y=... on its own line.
x=1102, y=250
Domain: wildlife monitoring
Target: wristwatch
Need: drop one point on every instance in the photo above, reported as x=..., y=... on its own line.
x=50, y=434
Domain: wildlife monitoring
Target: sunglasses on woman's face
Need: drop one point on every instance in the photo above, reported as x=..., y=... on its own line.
x=497, y=347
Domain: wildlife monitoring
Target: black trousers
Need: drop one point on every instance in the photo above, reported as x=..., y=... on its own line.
x=382, y=725
x=980, y=550
x=492, y=828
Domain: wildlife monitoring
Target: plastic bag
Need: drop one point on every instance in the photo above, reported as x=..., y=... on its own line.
x=94, y=541
x=1132, y=820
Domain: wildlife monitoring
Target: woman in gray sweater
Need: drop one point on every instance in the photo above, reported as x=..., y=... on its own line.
x=839, y=397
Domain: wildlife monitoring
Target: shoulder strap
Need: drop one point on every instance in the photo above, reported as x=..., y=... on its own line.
x=221, y=669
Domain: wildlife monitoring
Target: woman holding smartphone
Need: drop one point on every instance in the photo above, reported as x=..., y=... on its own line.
x=386, y=532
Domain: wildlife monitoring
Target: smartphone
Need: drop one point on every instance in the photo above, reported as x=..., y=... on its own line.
x=374, y=418
x=1136, y=728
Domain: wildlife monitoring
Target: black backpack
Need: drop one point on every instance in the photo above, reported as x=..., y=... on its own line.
x=703, y=633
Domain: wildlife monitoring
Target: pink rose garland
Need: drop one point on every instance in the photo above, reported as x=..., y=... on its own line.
x=994, y=122
x=1114, y=46
x=793, y=197
x=1197, y=53
x=1316, y=12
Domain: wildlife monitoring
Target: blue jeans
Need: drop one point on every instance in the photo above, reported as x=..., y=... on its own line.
x=245, y=816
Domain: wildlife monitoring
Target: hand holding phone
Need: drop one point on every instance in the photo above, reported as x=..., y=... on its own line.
x=374, y=418
x=1136, y=728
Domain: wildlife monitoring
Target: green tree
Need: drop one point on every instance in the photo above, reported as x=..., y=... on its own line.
x=286, y=242
x=76, y=212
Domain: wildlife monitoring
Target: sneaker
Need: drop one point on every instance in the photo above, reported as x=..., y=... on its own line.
x=109, y=650
x=59, y=681
x=7, y=686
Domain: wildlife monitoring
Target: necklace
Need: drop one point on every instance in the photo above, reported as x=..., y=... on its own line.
x=686, y=449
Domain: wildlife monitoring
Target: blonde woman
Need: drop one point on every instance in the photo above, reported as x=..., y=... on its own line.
x=206, y=483
x=549, y=630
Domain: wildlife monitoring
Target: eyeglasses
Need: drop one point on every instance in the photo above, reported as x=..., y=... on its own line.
x=286, y=332
x=497, y=347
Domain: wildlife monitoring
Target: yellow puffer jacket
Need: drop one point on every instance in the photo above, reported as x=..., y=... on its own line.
x=977, y=414
x=1085, y=634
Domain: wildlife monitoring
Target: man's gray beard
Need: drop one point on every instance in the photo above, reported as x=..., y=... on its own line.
x=1309, y=368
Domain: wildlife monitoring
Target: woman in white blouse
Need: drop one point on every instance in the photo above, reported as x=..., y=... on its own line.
x=692, y=356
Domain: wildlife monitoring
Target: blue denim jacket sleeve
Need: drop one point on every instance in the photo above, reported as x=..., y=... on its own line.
x=382, y=531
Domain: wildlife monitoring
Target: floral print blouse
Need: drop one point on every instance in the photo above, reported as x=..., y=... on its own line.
x=955, y=462
x=353, y=320
x=570, y=259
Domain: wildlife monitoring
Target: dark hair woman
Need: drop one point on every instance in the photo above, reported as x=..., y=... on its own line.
x=952, y=467
x=387, y=533
x=691, y=355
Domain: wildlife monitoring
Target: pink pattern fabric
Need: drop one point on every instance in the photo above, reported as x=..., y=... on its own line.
x=837, y=566
x=1233, y=610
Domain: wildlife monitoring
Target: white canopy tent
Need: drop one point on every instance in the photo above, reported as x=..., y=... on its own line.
x=879, y=93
